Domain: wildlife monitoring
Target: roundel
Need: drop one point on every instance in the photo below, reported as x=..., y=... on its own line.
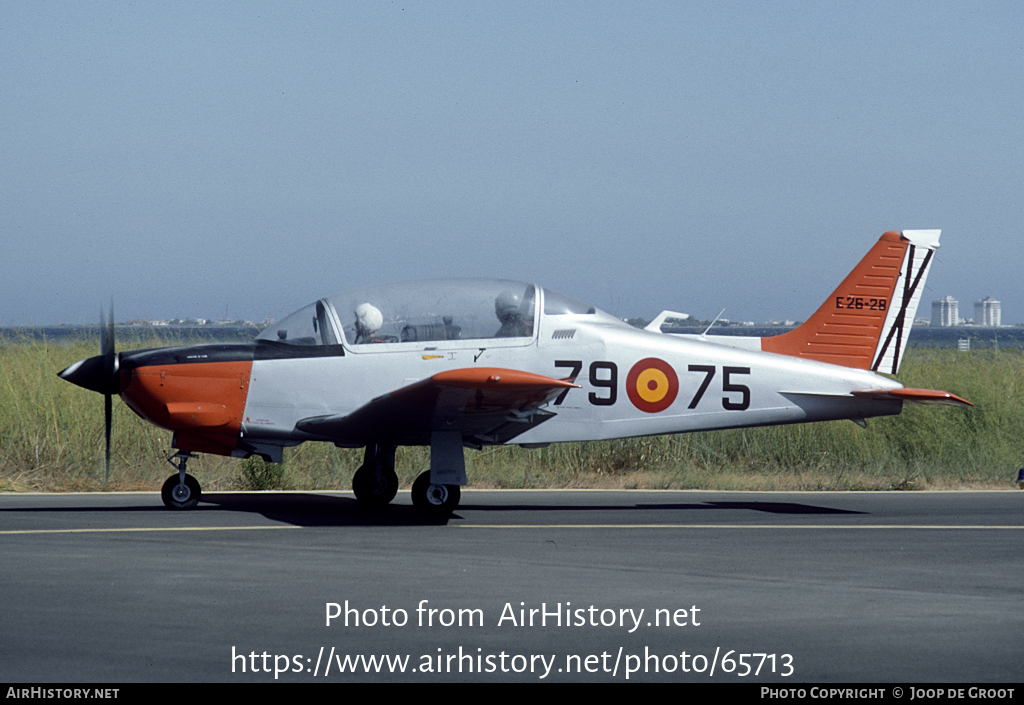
x=652, y=385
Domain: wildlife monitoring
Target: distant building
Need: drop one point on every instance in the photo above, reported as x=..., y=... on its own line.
x=988, y=312
x=945, y=312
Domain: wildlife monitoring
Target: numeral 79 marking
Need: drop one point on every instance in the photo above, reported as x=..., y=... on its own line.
x=603, y=375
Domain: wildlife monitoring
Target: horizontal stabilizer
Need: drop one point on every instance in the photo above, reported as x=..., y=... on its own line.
x=918, y=396
x=655, y=325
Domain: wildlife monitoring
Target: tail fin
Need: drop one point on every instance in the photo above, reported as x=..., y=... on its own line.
x=866, y=321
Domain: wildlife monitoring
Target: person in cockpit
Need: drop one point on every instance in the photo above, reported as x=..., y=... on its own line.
x=508, y=309
x=368, y=321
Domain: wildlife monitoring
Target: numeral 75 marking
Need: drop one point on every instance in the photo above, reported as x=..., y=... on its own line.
x=728, y=387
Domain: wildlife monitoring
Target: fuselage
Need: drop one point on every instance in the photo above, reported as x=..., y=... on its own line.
x=248, y=398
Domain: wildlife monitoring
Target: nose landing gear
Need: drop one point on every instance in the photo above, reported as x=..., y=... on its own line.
x=181, y=491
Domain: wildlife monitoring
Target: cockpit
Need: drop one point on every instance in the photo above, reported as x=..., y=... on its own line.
x=434, y=310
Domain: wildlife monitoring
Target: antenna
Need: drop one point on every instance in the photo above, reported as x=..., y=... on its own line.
x=712, y=323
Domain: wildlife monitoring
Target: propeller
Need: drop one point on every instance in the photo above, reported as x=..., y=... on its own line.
x=110, y=365
x=100, y=374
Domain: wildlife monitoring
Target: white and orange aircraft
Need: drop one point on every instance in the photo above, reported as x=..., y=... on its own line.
x=453, y=363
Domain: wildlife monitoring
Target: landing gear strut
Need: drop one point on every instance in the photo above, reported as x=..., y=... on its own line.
x=181, y=491
x=376, y=482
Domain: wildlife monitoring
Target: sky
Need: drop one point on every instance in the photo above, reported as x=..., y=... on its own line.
x=242, y=159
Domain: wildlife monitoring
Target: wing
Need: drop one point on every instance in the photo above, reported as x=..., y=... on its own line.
x=488, y=404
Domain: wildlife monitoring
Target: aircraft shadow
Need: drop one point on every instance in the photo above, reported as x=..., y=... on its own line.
x=303, y=509
x=311, y=509
x=324, y=510
x=768, y=507
x=299, y=509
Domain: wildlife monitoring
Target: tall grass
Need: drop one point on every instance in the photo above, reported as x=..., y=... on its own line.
x=51, y=432
x=51, y=438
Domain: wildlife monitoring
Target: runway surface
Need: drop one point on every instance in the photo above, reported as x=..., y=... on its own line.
x=516, y=586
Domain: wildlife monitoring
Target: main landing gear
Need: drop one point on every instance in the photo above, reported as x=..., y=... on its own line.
x=376, y=484
x=181, y=491
x=433, y=498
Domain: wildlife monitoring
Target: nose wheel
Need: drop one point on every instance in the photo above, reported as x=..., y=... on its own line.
x=434, y=499
x=181, y=491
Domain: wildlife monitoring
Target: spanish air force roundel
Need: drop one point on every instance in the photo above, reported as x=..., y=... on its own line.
x=652, y=385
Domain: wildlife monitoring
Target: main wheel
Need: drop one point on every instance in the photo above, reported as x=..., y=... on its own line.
x=372, y=489
x=178, y=496
x=434, y=499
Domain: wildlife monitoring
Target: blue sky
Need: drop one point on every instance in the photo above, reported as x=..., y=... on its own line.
x=242, y=158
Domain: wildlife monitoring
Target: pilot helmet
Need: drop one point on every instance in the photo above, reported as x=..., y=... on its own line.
x=506, y=306
x=368, y=318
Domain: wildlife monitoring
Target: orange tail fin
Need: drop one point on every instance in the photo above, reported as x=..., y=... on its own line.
x=866, y=321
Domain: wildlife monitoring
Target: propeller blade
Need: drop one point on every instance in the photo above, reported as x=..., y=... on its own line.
x=109, y=354
x=108, y=423
x=107, y=344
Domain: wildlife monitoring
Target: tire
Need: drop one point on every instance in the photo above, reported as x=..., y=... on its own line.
x=434, y=499
x=181, y=497
x=374, y=491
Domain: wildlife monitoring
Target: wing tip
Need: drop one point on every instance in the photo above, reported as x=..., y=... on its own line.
x=474, y=377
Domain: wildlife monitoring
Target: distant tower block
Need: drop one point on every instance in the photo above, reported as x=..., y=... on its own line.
x=988, y=312
x=945, y=312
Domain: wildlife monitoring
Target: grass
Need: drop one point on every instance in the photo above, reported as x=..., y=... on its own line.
x=51, y=439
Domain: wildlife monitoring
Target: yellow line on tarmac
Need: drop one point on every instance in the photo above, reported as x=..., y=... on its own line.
x=738, y=526
x=147, y=529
